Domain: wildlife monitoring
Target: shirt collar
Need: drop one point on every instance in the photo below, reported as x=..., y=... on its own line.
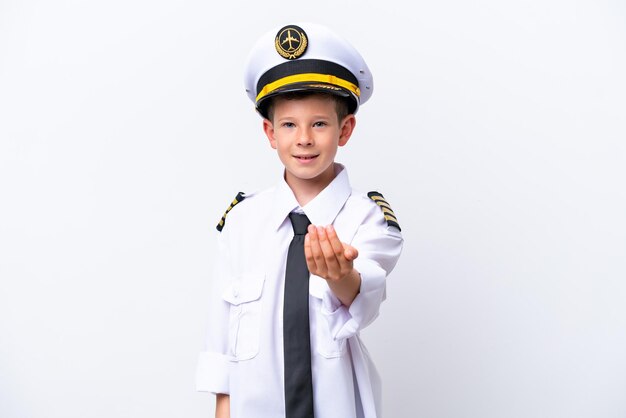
x=322, y=210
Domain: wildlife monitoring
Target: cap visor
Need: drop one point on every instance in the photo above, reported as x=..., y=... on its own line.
x=314, y=87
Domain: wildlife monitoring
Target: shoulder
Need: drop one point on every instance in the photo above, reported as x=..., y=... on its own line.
x=385, y=208
x=377, y=235
x=374, y=203
x=243, y=205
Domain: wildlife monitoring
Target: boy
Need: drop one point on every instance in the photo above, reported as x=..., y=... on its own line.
x=301, y=267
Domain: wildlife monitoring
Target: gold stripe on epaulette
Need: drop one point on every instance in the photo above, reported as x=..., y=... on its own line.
x=387, y=210
x=390, y=217
x=240, y=196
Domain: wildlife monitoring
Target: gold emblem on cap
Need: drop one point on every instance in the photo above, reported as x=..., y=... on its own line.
x=291, y=42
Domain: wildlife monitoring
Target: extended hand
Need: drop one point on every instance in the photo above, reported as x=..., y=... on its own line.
x=326, y=256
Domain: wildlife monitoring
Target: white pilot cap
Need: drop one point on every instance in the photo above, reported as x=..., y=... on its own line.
x=306, y=57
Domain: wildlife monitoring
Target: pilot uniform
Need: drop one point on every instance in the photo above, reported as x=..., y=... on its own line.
x=244, y=354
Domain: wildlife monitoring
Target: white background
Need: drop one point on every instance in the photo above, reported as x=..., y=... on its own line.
x=496, y=130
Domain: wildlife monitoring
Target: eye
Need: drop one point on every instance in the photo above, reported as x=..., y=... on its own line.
x=288, y=124
x=320, y=124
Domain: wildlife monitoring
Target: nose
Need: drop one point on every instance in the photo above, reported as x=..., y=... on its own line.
x=305, y=137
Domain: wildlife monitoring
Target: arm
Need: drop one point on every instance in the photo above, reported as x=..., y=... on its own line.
x=332, y=260
x=354, y=297
x=222, y=405
x=212, y=373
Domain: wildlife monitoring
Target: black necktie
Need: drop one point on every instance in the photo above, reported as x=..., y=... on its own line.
x=296, y=337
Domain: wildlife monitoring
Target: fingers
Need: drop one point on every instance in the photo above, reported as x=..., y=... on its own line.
x=336, y=244
x=350, y=252
x=314, y=252
x=341, y=249
x=326, y=255
x=309, y=251
x=332, y=267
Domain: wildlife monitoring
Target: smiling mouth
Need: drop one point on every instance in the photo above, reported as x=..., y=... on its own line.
x=305, y=157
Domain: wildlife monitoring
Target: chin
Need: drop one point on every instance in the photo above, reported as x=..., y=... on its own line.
x=304, y=175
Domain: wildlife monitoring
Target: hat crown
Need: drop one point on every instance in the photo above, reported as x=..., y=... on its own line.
x=309, y=55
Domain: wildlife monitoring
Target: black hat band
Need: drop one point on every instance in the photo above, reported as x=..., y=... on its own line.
x=306, y=71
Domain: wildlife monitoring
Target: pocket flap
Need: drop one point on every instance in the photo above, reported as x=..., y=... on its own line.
x=246, y=288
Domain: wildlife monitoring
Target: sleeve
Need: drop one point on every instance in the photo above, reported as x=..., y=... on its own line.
x=379, y=246
x=212, y=373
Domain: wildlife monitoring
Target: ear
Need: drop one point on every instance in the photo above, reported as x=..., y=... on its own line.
x=268, y=128
x=347, y=127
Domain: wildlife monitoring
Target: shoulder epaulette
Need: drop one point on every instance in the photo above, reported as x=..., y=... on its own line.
x=390, y=217
x=240, y=196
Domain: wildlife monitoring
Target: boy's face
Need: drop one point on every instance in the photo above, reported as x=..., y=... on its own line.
x=306, y=134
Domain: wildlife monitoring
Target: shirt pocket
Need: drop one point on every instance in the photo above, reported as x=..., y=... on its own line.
x=324, y=342
x=244, y=297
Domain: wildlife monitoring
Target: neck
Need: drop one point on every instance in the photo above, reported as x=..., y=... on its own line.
x=306, y=190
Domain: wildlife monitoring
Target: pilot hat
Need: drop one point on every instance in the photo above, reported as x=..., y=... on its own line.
x=306, y=57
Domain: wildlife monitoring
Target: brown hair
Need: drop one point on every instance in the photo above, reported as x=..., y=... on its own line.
x=341, y=104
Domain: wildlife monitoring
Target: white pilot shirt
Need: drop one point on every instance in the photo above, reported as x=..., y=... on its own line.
x=243, y=354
